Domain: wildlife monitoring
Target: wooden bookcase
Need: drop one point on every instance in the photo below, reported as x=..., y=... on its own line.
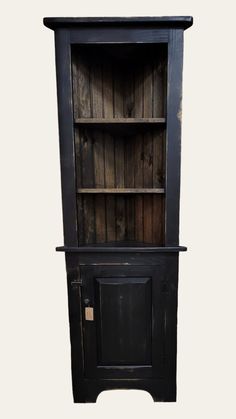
x=119, y=83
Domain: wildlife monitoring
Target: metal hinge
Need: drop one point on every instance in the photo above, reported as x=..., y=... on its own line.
x=77, y=283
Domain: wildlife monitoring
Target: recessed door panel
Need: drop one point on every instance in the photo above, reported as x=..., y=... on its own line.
x=124, y=333
x=124, y=320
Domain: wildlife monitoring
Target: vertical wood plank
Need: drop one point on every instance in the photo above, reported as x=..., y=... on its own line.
x=109, y=151
x=128, y=93
x=147, y=183
x=120, y=183
x=107, y=89
x=89, y=219
x=98, y=155
x=158, y=85
x=87, y=159
x=97, y=112
x=82, y=92
x=118, y=91
x=158, y=181
x=138, y=183
x=78, y=159
x=110, y=183
x=148, y=155
x=129, y=183
x=119, y=156
x=158, y=219
x=138, y=92
x=99, y=170
x=96, y=90
x=87, y=202
x=148, y=91
x=158, y=159
x=138, y=153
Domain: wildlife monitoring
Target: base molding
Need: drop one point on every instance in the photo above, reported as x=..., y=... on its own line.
x=161, y=390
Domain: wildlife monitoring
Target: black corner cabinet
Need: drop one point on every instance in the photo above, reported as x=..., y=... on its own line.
x=119, y=87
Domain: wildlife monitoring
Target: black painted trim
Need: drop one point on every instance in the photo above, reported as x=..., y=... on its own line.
x=119, y=34
x=173, y=136
x=66, y=136
x=183, y=22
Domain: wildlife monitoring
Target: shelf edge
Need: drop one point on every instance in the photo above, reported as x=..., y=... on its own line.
x=169, y=249
x=121, y=190
x=101, y=121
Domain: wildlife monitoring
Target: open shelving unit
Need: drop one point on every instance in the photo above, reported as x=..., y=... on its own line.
x=119, y=99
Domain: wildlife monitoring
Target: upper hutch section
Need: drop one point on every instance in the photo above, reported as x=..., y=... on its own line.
x=120, y=128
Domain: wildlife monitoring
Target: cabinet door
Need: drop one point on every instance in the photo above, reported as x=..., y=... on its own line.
x=123, y=321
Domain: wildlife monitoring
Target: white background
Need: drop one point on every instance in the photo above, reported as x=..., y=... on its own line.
x=35, y=352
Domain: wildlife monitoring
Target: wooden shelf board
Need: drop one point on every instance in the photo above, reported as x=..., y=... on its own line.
x=142, y=247
x=120, y=121
x=122, y=190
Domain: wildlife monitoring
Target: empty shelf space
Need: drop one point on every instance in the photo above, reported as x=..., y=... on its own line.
x=120, y=121
x=119, y=83
x=122, y=190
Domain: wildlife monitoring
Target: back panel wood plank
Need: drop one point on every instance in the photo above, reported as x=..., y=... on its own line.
x=158, y=217
x=88, y=219
x=158, y=159
x=127, y=84
x=108, y=93
x=81, y=87
x=99, y=170
x=138, y=154
x=148, y=156
x=96, y=86
x=129, y=183
x=123, y=75
x=87, y=164
x=129, y=93
x=109, y=154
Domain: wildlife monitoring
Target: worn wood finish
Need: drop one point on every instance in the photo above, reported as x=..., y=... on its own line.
x=127, y=224
x=126, y=120
x=132, y=165
x=114, y=83
x=173, y=136
x=124, y=247
x=183, y=22
x=119, y=101
x=122, y=190
x=66, y=136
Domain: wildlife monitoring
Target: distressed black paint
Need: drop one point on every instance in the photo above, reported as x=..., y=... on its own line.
x=132, y=287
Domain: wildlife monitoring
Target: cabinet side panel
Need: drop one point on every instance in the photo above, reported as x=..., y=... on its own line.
x=173, y=136
x=66, y=136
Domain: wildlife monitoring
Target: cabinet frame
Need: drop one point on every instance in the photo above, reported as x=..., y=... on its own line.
x=80, y=260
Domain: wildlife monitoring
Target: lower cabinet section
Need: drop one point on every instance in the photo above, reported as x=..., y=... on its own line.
x=127, y=325
x=127, y=331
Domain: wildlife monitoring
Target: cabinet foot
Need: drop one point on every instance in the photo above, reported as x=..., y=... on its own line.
x=160, y=390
